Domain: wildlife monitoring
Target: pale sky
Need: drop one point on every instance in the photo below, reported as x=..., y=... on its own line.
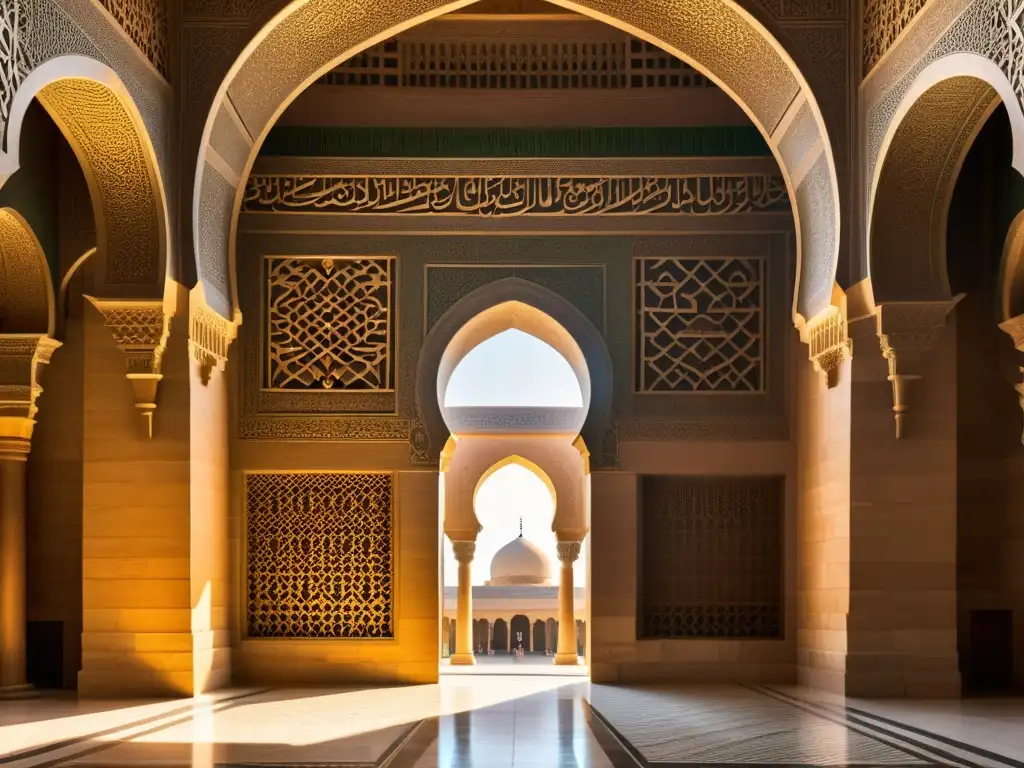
x=512, y=368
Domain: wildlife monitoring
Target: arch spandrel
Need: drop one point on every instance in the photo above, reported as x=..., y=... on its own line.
x=717, y=37
x=26, y=287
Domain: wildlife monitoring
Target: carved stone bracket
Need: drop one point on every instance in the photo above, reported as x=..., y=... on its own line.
x=907, y=332
x=420, y=449
x=140, y=329
x=209, y=333
x=829, y=343
x=1014, y=328
x=21, y=356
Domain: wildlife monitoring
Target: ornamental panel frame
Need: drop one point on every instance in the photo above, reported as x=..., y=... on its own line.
x=391, y=586
x=754, y=327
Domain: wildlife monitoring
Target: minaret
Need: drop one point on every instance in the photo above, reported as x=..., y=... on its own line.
x=520, y=526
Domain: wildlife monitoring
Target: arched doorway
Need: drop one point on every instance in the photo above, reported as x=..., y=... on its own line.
x=520, y=629
x=539, y=640
x=514, y=357
x=481, y=634
x=499, y=641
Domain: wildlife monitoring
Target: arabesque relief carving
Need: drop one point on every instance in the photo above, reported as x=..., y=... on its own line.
x=517, y=195
x=699, y=324
x=907, y=332
x=140, y=329
x=320, y=549
x=15, y=57
x=145, y=22
x=719, y=541
x=884, y=21
x=329, y=323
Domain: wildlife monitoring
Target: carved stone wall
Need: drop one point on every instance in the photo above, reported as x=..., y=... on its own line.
x=594, y=274
x=320, y=550
x=711, y=557
x=145, y=22
x=884, y=21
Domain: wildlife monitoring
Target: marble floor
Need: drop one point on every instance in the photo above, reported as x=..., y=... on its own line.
x=512, y=722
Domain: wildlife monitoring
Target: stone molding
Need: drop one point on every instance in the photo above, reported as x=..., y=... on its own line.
x=140, y=329
x=464, y=551
x=907, y=332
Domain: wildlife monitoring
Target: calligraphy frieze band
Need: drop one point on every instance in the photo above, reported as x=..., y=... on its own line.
x=502, y=196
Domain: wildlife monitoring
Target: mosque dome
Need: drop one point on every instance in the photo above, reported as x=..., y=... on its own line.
x=520, y=562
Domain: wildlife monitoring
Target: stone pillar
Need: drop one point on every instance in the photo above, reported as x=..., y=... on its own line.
x=568, y=551
x=20, y=358
x=464, y=551
x=490, y=637
x=13, y=454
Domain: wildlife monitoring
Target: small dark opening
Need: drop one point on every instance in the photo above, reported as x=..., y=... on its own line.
x=990, y=653
x=44, y=660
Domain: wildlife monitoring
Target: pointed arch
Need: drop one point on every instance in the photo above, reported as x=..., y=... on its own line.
x=579, y=341
x=526, y=464
x=305, y=40
x=26, y=287
x=99, y=119
x=919, y=162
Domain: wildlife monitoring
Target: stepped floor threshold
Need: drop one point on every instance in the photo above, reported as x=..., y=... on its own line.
x=513, y=721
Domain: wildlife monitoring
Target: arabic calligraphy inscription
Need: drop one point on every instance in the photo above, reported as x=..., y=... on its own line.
x=498, y=196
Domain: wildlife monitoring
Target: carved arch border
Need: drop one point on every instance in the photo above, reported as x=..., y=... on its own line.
x=26, y=286
x=920, y=157
x=306, y=39
x=515, y=289
x=98, y=117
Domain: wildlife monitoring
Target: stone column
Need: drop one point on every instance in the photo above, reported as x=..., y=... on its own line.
x=13, y=455
x=490, y=637
x=20, y=358
x=568, y=551
x=464, y=551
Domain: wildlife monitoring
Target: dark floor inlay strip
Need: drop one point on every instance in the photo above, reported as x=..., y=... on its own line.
x=617, y=747
x=912, y=747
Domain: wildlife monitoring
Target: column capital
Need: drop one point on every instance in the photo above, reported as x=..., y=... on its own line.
x=210, y=334
x=464, y=551
x=907, y=332
x=21, y=355
x=140, y=328
x=828, y=341
x=568, y=551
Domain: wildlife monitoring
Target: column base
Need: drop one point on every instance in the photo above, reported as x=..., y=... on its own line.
x=462, y=660
x=566, y=660
x=7, y=693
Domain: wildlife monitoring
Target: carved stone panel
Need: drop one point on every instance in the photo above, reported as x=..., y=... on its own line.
x=320, y=550
x=699, y=324
x=711, y=557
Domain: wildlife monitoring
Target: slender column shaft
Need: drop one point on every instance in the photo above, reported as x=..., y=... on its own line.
x=568, y=551
x=490, y=638
x=13, y=455
x=464, y=551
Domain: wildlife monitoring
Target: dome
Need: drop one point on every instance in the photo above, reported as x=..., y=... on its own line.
x=520, y=562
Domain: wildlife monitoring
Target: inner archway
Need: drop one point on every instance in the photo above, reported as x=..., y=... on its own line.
x=515, y=483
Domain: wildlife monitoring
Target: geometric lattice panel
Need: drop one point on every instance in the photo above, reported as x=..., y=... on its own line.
x=711, y=557
x=320, y=555
x=699, y=324
x=330, y=324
